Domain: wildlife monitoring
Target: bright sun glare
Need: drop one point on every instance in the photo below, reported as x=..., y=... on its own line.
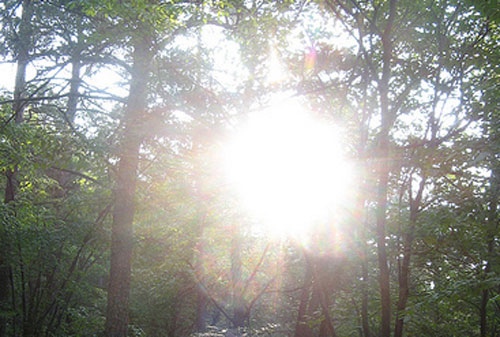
x=288, y=169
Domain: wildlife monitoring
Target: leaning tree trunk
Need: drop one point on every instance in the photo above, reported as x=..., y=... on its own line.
x=23, y=50
x=123, y=213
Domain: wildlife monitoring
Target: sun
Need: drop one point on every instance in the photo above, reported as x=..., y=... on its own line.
x=288, y=169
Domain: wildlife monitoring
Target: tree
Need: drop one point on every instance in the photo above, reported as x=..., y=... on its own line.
x=22, y=54
x=124, y=179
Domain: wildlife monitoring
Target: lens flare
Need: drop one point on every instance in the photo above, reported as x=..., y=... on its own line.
x=277, y=73
x=288, y=169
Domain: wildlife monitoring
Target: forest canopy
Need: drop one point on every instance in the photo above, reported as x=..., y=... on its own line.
x=249, y=168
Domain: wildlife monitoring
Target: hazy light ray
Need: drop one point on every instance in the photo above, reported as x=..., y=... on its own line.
x=310, y=59
x=277, y=73
x=288, y=169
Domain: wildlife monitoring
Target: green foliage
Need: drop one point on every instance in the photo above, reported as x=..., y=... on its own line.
x=196, y=251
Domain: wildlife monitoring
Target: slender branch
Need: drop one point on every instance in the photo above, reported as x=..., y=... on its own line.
x=205, y=290
x=54, y=97
x=254, y=272
x=76, y=173
x=262, y=292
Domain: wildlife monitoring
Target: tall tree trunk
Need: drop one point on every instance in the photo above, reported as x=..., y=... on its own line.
x=201, y=297
x=492, y=230
x=301, y=328
x=364, y=297
x=483, y=311
x=403, y=290
x=326, y=327
x=360, y=210
x=383, y=180
x=239, y=312
x=383, y=174
x=360, y=218
x=23, y=50
x=404, y=273
x=123, y=213
x=76, y=66
x=200, y=324
x=361, y=231
x=319, y=296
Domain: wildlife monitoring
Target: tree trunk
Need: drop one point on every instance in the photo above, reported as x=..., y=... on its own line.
x=76, y=66
x=326, y=327
x=239, y=312
x=123, y=213
x=302, y=328
x=403, y=291
x=319, y=296
x=492, y=230
x=404, y=273
x=323, y=329
x=364, y=299
x=360, y=219
x=483, y=312
x=384, y=281
x=23, y=49
x=200, y=324
x=201, y=297
x=383, y=174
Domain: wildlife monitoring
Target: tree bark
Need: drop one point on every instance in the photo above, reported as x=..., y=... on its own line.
x=123, y=213
x=383, y=181
x=483, y=311
x=200, y=323
x=364, y=299
x=360, y=218
x=301, y=327
x=23, y=49
x=383, y=175
x=492, y=230
x=404, y=273
x=76, y=65
x=326, y=327
x=239, y=311
x=403, y=291
x=361, y=228
x=319, y=296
